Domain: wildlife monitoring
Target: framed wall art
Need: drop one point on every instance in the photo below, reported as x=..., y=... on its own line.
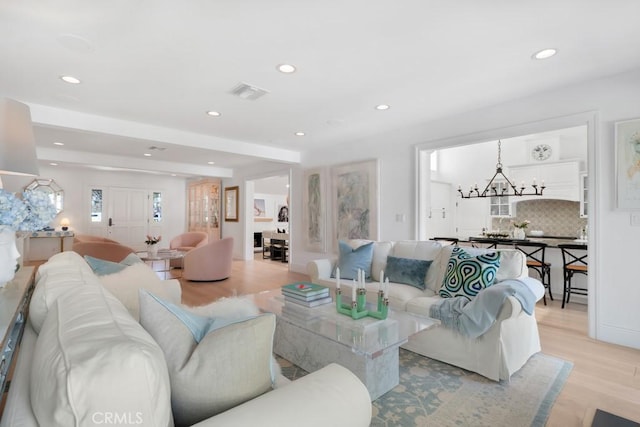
x=627, y=143
x=259, y=208
x=231, y=212
x=314, y=201
x=355, y=200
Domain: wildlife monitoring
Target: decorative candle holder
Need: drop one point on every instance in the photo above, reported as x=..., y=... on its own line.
x=357, y=309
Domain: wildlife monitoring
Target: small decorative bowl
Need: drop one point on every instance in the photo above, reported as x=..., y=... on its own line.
x=536, y=233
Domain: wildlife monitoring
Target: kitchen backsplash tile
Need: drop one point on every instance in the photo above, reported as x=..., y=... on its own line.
x=554, y=217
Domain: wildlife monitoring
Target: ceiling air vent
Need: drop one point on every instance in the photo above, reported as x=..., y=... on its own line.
x=153, y=147
x=246, y=91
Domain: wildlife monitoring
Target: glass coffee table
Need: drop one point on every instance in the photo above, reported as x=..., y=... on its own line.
x=165, y=256
x=311, y=338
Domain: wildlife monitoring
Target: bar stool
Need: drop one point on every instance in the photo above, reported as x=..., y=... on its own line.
x=535, y=251
x=484, y=242
x=574, y=260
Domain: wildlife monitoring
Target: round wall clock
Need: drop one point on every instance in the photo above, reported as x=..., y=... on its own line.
x=541, y=152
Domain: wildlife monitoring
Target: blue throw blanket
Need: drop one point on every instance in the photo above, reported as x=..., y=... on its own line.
x=474, y=318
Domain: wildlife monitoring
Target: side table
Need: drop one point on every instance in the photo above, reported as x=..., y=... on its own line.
x=164, y=256
x=14, y=308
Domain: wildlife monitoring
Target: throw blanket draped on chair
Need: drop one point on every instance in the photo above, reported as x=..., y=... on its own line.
x=473, y=318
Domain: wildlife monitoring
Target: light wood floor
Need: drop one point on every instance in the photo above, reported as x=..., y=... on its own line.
x=604, y=376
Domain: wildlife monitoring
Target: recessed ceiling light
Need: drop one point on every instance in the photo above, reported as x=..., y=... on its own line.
x=53, y=164
x=147, y=154
x=214, y=113
x=286, y=68
x=58, y=143
x=70, y=79
x=211, y=163
x=382, y=107
x=544, y=54
x=173, y=174
x=300, y=134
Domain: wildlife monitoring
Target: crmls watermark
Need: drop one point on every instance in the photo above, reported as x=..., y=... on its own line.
x=117, y=418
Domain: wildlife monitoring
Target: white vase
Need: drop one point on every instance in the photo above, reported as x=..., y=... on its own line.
x=518, y=233
x=8, y=255
x=152, y=250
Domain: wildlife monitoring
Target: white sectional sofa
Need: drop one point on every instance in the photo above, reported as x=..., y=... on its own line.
x=85, y=360
x=498, y=353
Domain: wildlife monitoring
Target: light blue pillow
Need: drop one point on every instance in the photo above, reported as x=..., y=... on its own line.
x=103, y=267
x=199, y=326
x=408, y=271
x=350, y=260
x=131, y=259
x=467, y=275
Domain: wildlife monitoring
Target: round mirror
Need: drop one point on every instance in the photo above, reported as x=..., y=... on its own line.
x=49, y=187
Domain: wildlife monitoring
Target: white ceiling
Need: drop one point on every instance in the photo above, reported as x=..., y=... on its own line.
x=150, y=70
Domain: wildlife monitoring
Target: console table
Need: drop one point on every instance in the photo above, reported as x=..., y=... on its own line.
x=42, y=251
x=14, y=307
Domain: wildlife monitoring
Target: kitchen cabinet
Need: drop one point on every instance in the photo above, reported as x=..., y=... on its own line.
x=204, y=207
x=499, y=206
x=561, y=179
x=584, y=195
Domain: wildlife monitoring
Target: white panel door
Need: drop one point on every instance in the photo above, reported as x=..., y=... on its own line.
x=440, y=215
x=128, y=216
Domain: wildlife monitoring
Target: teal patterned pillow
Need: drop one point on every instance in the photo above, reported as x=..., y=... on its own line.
x=467, y=275
x=408, y=271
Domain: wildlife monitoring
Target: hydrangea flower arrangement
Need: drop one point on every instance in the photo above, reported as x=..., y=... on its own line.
x=31, y=213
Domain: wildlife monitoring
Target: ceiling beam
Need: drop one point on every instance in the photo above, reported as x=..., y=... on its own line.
x=49, y=116
x=129, y=163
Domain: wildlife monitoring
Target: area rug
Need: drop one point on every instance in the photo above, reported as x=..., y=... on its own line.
x=432, y=393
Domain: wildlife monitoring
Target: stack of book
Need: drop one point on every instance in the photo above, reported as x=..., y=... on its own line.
x=306, y=294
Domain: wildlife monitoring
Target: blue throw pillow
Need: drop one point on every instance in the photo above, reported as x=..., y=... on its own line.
x=467, y=275
x=131, y=259
x=351, y=260
x=103, y=267
x=199, y=326
x=408, y=271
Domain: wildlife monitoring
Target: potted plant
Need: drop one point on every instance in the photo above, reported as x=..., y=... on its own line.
x=152, y=245
x=519, y=227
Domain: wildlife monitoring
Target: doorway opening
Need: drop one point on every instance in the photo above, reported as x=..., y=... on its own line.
x=270, y=225
x=521, y=139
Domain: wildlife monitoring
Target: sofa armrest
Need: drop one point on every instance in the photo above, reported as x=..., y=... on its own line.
x=320, y=268
x=511, y=308
x=331, y=396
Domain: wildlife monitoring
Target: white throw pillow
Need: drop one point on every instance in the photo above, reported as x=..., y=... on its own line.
x=229, y=365
x=125, y=285
x=92, y=360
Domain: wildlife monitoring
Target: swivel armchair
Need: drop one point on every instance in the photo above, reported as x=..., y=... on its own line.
x=209, y=262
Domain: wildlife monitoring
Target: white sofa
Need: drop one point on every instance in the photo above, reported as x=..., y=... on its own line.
x=84, y=360
x=498, y=353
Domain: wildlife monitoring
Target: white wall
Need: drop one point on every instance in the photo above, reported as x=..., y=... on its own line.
x=75, y=181
x=614, y=295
